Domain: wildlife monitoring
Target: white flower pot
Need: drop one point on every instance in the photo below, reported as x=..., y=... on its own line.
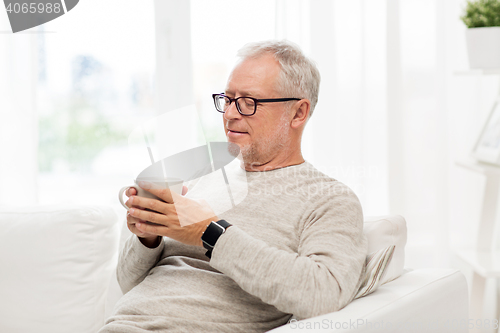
x=483, y=46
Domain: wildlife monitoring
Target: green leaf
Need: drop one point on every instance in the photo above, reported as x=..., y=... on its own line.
x=481, y=13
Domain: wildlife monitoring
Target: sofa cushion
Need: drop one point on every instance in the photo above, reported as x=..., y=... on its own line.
x=382, y=232
x=56, y=266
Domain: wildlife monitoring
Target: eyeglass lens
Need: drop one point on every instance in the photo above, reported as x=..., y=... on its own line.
x=244, y=104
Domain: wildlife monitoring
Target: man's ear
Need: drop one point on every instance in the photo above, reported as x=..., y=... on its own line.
x=301, y=113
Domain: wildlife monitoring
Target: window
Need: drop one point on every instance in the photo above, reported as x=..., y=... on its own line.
x=94, y=84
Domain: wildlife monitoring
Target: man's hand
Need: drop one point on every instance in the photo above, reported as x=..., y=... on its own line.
x=167, y=216
x=147, y=239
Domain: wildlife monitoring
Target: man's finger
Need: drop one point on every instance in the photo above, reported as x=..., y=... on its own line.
x=133, y=220
x=148, y=216
x=163, y=193
x=147, y=203
x=132, y=202
x=131, y=191
x=184, y=190
x=152, y=229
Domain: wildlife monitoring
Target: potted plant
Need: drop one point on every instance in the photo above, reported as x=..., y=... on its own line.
x=482, y=18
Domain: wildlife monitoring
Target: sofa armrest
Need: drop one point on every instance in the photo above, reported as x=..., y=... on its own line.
x=423, y=300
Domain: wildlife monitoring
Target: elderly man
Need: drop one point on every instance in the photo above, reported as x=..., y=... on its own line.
x=293, y=246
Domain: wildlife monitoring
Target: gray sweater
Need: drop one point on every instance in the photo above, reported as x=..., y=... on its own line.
x=296, y=247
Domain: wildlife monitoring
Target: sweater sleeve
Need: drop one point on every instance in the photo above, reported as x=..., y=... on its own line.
x=135, y=261
x=321, y=277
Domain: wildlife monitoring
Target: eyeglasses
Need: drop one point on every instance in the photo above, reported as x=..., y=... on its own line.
x=246, y=106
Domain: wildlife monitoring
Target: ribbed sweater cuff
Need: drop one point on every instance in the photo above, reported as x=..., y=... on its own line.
x=145, y=254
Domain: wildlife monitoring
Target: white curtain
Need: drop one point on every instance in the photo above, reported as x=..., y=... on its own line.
x=18, y=119
x=174, y=79
x=346, y=136
x=393, y=116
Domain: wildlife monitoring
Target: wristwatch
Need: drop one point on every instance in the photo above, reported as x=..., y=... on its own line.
x=212, y=233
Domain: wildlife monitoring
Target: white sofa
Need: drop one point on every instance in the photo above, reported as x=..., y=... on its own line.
x=58, y=275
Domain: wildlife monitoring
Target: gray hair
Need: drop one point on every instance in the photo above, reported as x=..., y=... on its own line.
x=299, y=76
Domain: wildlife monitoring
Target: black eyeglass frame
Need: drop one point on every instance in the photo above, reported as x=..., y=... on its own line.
x=256, y=100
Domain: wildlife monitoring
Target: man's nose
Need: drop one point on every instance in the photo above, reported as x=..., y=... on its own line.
x=232, y=112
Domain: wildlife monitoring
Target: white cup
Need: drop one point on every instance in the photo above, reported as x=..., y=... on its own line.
x=174, y=184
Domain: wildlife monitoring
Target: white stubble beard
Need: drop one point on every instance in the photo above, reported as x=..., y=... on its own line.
x=261, y=152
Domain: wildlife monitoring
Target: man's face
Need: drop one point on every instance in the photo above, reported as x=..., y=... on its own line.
x=264, y=135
